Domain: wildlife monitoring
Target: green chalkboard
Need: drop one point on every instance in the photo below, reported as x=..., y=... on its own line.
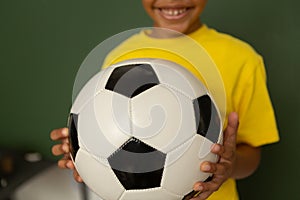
x=43, y=43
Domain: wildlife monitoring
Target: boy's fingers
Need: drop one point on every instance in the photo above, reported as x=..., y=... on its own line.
x=214, y=168
x=77, y=177
x=57, y=150
x=70, y=164
x=231, y=130
x=232, y=126
x=60, y=149
x=205, y=189
x=198, y=186
x=218, y=149
x=62, y=163
x=66, y=163
x=58, y=134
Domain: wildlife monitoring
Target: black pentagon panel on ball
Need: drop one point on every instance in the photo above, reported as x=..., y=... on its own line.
x=131, y=80
x=138, y=165
x=207, y=118
x=73, y=134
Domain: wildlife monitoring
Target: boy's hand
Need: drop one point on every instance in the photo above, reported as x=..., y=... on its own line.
x=223, y=169
x=63, y=148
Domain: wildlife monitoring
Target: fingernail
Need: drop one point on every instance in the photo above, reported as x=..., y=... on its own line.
x=70, y=165
x=206, y=167
x=216, y=148
x=200, y=188
x=65, y=148
x=79, y=179
x=64, y=132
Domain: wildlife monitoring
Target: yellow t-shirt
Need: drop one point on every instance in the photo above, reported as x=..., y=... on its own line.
x=242, y=72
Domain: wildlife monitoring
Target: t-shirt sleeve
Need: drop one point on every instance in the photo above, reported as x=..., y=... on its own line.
x=257, y=119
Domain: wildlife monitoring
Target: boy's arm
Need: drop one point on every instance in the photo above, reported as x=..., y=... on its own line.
x=236, y=161
x=247, y=161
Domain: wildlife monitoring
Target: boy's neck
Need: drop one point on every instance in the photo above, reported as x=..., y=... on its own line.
x=163, y=33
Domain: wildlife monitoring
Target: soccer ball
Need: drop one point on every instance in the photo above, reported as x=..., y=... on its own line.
x=140, y=129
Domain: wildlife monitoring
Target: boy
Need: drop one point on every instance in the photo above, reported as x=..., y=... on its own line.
x=251, y=121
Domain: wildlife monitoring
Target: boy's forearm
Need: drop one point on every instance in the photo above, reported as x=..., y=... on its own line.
x=247, y=161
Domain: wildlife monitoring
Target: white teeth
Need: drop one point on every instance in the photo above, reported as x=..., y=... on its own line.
x=173, y=12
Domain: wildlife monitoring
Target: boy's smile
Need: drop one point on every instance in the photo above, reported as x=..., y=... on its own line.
x=172, y=13
x=178, y=15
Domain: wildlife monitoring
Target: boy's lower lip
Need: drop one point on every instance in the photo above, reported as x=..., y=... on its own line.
x=173, y=14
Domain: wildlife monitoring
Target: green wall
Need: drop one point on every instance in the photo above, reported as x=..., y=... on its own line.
x=43, y=42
